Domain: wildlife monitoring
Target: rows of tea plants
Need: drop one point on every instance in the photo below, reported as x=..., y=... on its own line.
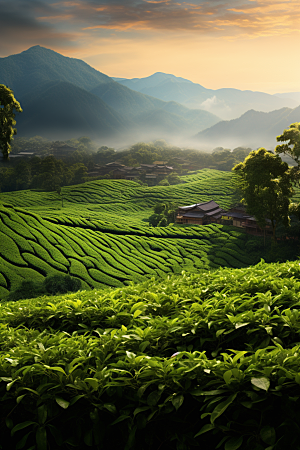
x=209, y=359
x=110, y=199
x=104, y=254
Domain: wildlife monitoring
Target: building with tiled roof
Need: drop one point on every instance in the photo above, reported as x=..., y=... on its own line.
x=200, y=213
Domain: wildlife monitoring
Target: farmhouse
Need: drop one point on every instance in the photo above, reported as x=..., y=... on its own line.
x=210, y=212
x=200, y=213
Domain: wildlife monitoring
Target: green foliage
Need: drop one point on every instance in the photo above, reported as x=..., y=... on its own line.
x=51, y=285
x=266, y=184
x=164, y=213
x=8, y=106
x=208, y=360
x=61, y=284
x=291, y=139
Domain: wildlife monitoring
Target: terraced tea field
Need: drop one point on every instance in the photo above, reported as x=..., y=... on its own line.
x=104, y=254
x=101, y=234
x=122, y=201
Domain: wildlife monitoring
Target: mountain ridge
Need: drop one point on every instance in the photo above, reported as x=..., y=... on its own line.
x=118, y=109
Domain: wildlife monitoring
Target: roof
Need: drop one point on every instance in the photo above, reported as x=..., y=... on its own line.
x=215, y=211
x=192, y=214
x=206, y=206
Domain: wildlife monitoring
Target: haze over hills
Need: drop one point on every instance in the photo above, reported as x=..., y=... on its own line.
x=253, y=129
x=65, y=97
x=226, y=103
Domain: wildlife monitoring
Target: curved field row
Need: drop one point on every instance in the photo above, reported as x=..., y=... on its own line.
x=33, y=247
x=121, y=200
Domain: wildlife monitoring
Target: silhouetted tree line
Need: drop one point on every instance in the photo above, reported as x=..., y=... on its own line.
x=49, y=173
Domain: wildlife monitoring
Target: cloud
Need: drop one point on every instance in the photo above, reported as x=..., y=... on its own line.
x=215, y=105
x=20, y=26
x=75, y=23
x=249, y=18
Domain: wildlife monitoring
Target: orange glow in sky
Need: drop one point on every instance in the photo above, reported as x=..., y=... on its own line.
x=245, y=44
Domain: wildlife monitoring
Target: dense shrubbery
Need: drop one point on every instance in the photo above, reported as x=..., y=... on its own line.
x=48, y=173
x=53, y=285
x=98, y=370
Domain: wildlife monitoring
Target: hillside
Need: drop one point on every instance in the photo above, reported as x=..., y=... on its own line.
x=227, y=103
x=254, y=129
x=152, y=114
x=58, y=108
x=26, y=70
x=207, y=360
x=101, y=234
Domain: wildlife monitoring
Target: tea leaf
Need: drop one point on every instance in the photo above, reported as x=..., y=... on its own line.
x=261, y=383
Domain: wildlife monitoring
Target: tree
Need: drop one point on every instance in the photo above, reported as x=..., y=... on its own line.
x=164, y=213
x=8, y=106
x=265, y=182
x=291, y=147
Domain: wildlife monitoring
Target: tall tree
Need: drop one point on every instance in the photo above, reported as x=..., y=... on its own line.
x=266, y=185
x=8, y=106
x=291, y=147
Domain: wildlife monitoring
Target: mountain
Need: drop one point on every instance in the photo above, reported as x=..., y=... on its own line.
x=139, y=107
x=291, y=95
x=226, y=102
x=24, y=71
x=253, y=129
x=64, y=97
x=59, y=108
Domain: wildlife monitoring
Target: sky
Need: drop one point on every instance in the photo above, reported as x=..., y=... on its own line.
x=245, y=44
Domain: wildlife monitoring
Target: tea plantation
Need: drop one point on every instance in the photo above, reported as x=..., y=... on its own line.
x=104, y=254
x=208, y=360
x=180, y=338
x=122, y=201
x=101, y=234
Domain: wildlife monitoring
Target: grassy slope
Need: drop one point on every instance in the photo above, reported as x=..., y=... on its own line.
x=120, y=201
x=238, y=334
x=100, y=235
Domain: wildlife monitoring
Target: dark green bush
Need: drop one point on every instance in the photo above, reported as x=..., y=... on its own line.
x=61, y=284
x=27, y=289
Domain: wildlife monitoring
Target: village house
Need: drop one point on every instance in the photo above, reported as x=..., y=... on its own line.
x=200, y=213
x=210, y=212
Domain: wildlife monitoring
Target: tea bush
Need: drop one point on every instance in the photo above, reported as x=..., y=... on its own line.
x=209, y=359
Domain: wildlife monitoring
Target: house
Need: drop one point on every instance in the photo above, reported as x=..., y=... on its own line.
x=238, y=217
x=210, y=212
x=235, y=216
x=200, y=213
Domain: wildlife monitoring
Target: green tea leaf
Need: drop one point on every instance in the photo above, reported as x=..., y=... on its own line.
x=140, y=409
x=234, y=443
x=177, y=401
x=219, y=332
x=42, y=414
x=110, y=407
x=120, y=419
x=227, y=375
x=261, y=383
x=62, y=403
x=268, y=435
x=93, y=382
x=22, y=425
x=23, y=441
x=143, y=345
x=153, y=398
x=221, y=407
x=41, y=438
x=205, y=428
